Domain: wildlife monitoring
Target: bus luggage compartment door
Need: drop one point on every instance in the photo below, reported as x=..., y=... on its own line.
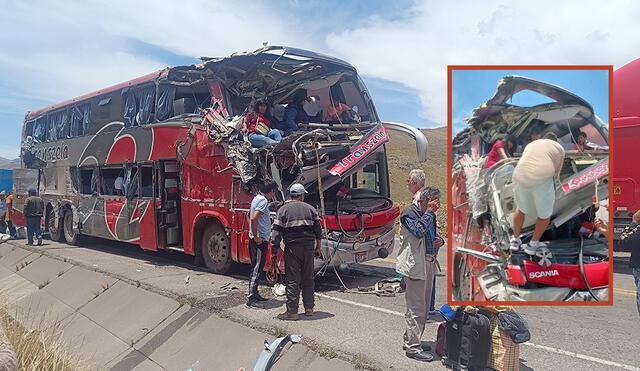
x=168, y=214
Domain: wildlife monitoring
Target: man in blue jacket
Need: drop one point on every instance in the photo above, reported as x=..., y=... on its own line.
x=416, y=262
x=294, y=114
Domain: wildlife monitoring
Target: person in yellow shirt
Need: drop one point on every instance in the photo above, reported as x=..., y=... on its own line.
x=534, y=187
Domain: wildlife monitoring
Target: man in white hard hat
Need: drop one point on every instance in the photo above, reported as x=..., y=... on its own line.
x=297, y=224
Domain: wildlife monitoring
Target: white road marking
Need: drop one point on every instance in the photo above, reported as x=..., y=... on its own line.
x=548, y=349
x=582, y=356
x=367, y=306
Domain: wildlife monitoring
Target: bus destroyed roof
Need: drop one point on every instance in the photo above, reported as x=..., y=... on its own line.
x=274, y=71
x=497, y=118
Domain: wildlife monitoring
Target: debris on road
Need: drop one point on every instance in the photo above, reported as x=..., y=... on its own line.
x=272, y=350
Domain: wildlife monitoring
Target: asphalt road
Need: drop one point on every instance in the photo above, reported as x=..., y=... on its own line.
x=367, y=328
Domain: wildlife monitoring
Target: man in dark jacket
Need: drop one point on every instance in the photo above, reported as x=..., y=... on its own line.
x=298, y=225
x=630, y=240
x=33, y=210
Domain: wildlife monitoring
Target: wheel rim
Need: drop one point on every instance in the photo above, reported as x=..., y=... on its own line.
x=68, y=225
x=463, y=282
x=217, y=249
x=52, y=223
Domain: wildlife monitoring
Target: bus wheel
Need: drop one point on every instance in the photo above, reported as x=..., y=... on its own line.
x=70, y=235
x=216, y=249
x=55, y=229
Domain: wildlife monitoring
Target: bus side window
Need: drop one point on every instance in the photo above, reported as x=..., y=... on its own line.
x=40, y=129
x=147, y=181
x=131, y=182
x=86, y=181
x=146, y=105
x=79, y=120
x=109, y=177
x=129, y=108
x=28, y=129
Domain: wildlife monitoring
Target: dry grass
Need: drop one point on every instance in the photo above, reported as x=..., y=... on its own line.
x=402, y=158
x=40, y=348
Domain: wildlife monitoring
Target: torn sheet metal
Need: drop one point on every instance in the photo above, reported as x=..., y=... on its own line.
x=272, y=350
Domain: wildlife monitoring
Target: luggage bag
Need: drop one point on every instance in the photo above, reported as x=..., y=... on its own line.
x=468, y=341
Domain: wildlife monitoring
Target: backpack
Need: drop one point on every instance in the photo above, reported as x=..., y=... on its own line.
x=468, y=341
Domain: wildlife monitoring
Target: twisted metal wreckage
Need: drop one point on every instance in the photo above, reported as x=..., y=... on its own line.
x=573, y=265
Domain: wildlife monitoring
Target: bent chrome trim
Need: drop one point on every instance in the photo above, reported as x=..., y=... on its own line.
x=421, y=141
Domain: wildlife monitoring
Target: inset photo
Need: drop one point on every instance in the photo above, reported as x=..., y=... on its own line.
x=529, y=219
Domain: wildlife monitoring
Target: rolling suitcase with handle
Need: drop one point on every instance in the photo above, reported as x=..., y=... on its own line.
x=468, y=340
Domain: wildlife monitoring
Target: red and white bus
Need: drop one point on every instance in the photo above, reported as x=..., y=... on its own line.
x=160, y=161
x=626, y=133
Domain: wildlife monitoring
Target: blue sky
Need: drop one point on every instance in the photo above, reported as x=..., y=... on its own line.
x=64, y=48
x=471, y=88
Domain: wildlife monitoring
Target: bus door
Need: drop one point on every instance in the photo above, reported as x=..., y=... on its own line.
x=140, y=205
x=168, y=198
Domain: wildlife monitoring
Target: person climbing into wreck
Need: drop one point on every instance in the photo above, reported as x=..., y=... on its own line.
x=501, y=149
x=534, y=187
x=258, y=125
x=294, y=114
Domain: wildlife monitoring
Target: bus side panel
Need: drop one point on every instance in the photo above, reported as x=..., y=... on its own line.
x=626, y=172
x=626, y=134
x=145, y=214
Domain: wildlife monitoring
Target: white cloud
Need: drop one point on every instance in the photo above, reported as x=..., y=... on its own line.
x=56, y=50
x=416, y=50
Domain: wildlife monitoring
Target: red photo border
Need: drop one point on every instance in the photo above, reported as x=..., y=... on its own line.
x=450, y=70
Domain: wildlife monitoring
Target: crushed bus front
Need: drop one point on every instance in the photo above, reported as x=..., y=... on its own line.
x=572, y=267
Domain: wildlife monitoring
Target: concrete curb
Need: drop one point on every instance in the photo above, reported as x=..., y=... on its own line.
x=123, y=325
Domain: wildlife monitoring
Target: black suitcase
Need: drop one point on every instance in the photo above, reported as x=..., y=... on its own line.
x=468, y=339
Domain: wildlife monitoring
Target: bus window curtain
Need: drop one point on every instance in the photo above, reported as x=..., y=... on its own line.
x=129, y=108
x=166, y=95
x=57, y=123
x=79, y=120
x=39, y=129
x=95, y=181
x=131, y=183
x=74, y=173
x=146, y=105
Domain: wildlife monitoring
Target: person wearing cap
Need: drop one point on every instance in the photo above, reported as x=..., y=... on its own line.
x=259, y=230
x=3, y=212
x=258, y=125
x=294, y=114
x=534, y=187
x=33, y=211
x=416, y=261
x=297, y=224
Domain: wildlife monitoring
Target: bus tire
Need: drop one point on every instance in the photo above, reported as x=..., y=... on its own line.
x=215, y=249
x=55, y=229
x=70, y=235
x=462, y=286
